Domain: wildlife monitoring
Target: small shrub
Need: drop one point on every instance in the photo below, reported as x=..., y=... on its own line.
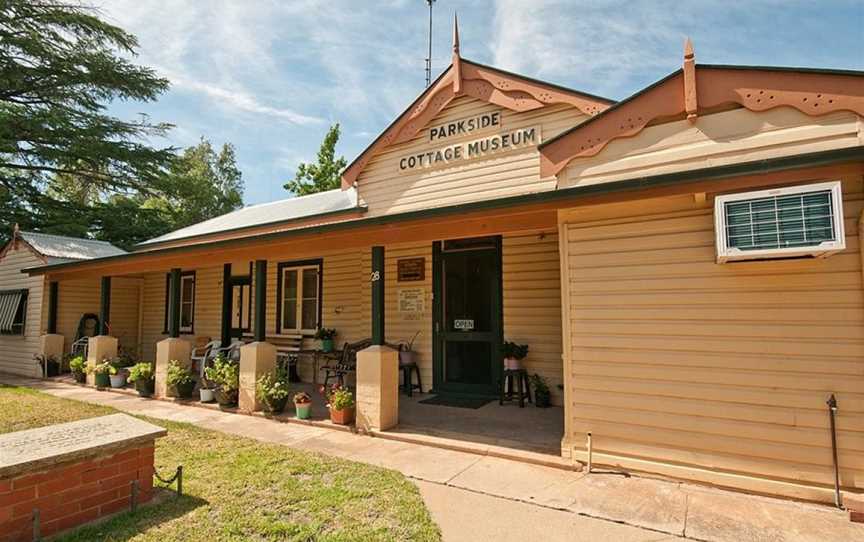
x=104, y=368
x=141, y=371
x=324, y=334
x=78, y=365
x=514, y=351
x=302, y=398
x=339, y=398
x=224, y=374
x=179, y=374
x=272, y=387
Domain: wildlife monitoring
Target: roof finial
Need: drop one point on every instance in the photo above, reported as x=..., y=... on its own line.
x=455, y=34
x=691, y=105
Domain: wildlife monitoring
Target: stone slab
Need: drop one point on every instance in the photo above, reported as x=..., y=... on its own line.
x=32, y=449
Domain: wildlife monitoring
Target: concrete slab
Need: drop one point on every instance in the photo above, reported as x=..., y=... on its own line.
x=519, y=481
x=472, y=517
x=654, y=504
x=719, y=516
x=423, y=462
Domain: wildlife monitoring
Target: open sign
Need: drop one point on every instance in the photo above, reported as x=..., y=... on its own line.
x=463, y=325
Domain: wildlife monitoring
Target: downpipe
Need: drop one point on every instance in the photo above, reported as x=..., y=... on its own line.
x=832, y=411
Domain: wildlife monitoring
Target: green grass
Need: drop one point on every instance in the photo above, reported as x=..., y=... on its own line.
x=241, y=489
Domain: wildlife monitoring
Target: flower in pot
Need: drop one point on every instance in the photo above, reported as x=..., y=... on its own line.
x=340, y=401
x=302, y=405
x=102, y=374
x=180, y=381
x=514, y=354
x=407, y=355
x=207, y=391
x=78, y=366
x=326, y=337
x=118, y=377
x=272, y=390
x=141, y=374
x=542, y=395
x=224, y=375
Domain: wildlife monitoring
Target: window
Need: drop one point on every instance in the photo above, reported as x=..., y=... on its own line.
x=241, y=307
x=187, y=301
x=13, y=311
x=780, y=223
x=299, y=294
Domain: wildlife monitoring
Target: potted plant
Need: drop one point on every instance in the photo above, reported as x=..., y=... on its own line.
x=407, y=355
x=225, y=376
x=326, y=337
x=118, y=377
x=49, y=364
x=102, y=374
x=542, y=395
x=79, y=369
x=272, y=390
x=302, y=405
x=340, y=401
x=180, y=381
x=141, y=374
x=207, y=391
x=514, y=354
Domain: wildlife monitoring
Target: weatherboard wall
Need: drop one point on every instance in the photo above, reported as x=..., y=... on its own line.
x=719, y=373
x=18, y=350
x=387, y=190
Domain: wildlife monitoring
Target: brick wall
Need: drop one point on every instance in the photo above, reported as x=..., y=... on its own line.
x=72, y=493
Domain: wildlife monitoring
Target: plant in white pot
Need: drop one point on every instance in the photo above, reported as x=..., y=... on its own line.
x=407, y=355
x=513, y=354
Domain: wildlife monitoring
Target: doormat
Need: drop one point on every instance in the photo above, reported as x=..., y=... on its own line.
x=456, y=401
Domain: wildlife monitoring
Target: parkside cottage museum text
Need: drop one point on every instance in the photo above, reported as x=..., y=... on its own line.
x=685, y=266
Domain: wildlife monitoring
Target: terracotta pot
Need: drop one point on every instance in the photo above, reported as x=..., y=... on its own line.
x=342, y=417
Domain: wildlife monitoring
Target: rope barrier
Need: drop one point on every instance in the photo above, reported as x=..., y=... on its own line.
x=178, y=476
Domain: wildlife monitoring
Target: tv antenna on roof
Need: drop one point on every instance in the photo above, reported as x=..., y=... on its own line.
x=429, y=58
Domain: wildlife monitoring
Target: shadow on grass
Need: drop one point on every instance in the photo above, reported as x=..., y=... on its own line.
x=127, y=525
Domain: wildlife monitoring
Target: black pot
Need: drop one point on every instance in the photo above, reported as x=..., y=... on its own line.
x=275, y=406
x=81, y=377
x=542, y=400
x=183, y=391
x=226, y=399
x=53, y=368
x=145, y=388
x=102, y=380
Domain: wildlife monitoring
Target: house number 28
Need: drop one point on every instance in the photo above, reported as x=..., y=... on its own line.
x=375, y=276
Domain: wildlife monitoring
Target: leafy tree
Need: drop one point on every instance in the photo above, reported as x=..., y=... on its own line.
x=200, y=184
x=59, y=65
x=323, y=175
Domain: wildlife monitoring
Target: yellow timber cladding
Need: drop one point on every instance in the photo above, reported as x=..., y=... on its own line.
x=18, y=350
x=715, y=372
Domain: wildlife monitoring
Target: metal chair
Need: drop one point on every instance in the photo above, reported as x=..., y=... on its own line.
x=200, y=354
x=347, y=364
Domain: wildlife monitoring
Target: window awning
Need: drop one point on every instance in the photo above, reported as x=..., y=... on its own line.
x=10, y=300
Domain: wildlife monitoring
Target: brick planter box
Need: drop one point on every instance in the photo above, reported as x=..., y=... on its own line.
x=73, y=474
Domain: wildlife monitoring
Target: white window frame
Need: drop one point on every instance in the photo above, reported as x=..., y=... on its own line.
x=190, y=302
x=725, y=253
x=299, y=305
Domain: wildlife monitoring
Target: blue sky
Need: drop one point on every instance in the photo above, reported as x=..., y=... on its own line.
x=270, y=76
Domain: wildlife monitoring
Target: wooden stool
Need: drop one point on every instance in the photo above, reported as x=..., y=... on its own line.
x=514, y=382
x=408, y=385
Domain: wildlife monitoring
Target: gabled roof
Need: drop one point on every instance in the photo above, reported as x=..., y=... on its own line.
x=59, y=248
x=698, y=89
x=467, y=78
x=274, y=212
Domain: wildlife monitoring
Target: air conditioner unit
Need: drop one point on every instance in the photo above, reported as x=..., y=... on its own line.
x=789, y=222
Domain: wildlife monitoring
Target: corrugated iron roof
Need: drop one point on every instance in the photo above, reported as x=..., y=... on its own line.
x=59, y=248
x=267, y=213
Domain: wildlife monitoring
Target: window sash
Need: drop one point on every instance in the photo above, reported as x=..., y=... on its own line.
x=187, y=303
x=300, y=303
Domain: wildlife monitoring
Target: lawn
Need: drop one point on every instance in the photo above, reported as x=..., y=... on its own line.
x=241, y=489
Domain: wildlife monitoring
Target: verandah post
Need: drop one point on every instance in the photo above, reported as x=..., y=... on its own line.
x=174, y=303
x=260, y=300
x=53, y=290
x=104, y=305
x=226, y=304
x=377, y=279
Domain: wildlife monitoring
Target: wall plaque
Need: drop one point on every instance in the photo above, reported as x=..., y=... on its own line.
x=411, y=269
x=412, y=303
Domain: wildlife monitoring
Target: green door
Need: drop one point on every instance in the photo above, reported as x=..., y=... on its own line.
x=467, y=316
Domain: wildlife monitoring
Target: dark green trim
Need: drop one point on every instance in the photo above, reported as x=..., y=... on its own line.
x=147, y=246
x=165, y=328
x=227, y=288
x=279, y=286
x=377, y=279
x=53, y=292
x=771, y=165
x=260, y=326
x=822, y=71
x=174, y=303
x=439, y=326
x=104, y=305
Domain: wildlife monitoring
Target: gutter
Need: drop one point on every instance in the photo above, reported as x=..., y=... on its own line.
x=634, y=184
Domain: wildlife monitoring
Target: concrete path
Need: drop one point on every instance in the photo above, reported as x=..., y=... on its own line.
x=475, y=497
